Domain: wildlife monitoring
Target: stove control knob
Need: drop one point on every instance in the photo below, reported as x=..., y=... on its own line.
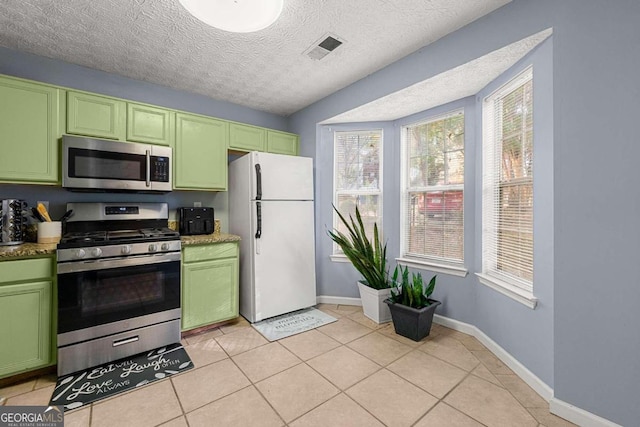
x=165, y=247
x=126, y=250
x=153, y=247
x=96, y=252
x=80, y=253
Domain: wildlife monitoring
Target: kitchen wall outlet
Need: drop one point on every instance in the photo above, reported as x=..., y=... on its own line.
x=197, y=204
x=44, y=202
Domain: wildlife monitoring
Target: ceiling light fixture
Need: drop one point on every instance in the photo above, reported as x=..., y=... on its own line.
x=237, y=16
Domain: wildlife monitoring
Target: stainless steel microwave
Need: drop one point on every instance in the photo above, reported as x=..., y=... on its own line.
x=102, y=165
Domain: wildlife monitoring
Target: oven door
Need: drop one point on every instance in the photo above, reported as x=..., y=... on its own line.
x=104, y=297
x=90, y=163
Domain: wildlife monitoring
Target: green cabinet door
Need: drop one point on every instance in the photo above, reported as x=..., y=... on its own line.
x=31, y=122
x=246, y=138
x=94, y=115
x=149, y=124
x=200, y=154
x=25, y=330
x=282, y=143
x=209, y=292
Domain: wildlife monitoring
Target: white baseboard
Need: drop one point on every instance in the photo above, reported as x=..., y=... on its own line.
x=527, y=376
x=578, y=416
x=556, y=406
x=324, y=299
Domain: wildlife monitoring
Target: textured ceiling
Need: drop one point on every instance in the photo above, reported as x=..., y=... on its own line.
x=158, y=41
x=457, y=83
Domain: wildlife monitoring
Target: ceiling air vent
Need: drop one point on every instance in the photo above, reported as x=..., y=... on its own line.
x=327, y=44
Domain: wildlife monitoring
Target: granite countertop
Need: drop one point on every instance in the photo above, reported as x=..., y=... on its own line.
x=35, y=249
x=27, y=250
x=209, y=238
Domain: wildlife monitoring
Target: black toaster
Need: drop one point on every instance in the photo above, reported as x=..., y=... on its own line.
x=195, y=221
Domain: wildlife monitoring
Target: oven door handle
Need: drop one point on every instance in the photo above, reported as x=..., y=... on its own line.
x=104, y=264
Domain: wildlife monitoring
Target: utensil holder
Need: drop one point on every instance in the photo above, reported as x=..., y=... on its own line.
x=49, y=232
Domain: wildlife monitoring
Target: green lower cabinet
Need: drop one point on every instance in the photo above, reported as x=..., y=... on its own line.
x=209, y=287
x=200, y=154
x=31, y=122
x=282, y=143
x=94, y=115
x=25, y=330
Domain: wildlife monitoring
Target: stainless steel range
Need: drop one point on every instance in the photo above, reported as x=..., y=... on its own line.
x=118, y=283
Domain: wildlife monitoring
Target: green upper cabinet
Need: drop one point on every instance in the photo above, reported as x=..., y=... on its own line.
x=200, y=154
x=282, y=143
x=246, y=138
x=31, y=122
x=149, y=124
x=94, y=115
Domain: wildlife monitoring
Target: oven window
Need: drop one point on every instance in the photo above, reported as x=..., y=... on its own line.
x=92, y=298
x=122, y=293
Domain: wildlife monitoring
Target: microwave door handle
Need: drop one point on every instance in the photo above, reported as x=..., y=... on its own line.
x=148, y=169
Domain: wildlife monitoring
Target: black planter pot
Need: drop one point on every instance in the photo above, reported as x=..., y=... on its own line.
x=413, y=323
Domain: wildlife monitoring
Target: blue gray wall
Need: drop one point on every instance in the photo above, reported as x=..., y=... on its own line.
x=524, y=333
x=27, y=66
x=339, y=278
x=581, y=340
x=597, y=207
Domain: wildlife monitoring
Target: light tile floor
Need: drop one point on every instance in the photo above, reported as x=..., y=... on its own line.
x=352, y=372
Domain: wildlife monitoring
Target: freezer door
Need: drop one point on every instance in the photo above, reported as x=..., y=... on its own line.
x=281, y=177
x=284, y=258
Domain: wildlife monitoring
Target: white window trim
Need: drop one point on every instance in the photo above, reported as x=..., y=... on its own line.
x=508, y=286
x=514, y=292
x=339, y=256
x=437, y=264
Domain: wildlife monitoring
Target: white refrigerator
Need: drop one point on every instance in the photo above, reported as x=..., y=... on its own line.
x=271, y=207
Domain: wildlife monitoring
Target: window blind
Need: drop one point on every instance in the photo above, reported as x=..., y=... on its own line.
x=433, y=196
x=507, y=196
x=358, y=178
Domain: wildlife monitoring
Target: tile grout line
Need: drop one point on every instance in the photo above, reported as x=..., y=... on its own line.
x=314, y=370
x=252, y=384
x=469, y=373
x=175, y=392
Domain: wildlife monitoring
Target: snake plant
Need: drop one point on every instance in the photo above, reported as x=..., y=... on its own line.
x=411, y=292
x=369, y=258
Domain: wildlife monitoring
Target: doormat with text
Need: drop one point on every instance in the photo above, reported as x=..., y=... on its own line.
x=289, y=324
x=84, y=387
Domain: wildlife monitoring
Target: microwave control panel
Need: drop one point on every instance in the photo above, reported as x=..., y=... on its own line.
x=160, y=169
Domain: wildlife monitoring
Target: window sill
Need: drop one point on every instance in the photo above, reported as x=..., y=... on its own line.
x=339, y=258
x=453, y=270
x=505, y=288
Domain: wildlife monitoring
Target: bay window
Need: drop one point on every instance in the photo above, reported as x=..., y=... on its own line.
x=507, y=187
x=433, y=192
x=358, y=178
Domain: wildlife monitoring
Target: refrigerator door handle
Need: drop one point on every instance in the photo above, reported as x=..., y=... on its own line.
x=259, y=217
x=258, y=182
